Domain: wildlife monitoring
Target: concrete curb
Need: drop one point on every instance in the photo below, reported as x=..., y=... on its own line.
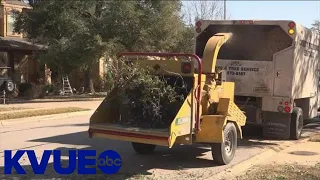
x=9, y=122
x=242, y=167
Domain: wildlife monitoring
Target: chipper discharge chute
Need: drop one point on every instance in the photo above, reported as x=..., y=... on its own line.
x=207, y=114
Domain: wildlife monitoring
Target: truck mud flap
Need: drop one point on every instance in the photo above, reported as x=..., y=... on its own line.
x=276, y=125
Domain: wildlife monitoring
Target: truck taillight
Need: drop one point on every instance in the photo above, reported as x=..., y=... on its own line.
x=198, y=24
x=186, y=67
x=291, y=26
x=284, y=107
x=287, y=109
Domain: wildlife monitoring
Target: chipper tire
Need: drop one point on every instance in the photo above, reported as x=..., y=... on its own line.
x=223, y=153
x=296, y=123
x=143, y=148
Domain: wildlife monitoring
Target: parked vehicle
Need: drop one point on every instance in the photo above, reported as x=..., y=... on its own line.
x=274, y=65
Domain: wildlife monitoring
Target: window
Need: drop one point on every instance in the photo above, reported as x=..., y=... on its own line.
x=10, y=23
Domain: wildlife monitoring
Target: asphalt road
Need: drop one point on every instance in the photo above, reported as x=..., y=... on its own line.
x=181, y=162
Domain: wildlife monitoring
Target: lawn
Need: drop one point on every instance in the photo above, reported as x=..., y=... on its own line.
x=35, y=112
x=4, y=109
x=283, y=172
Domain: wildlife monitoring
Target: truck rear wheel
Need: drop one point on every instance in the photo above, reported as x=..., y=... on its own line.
x=143, y=148
x=296, y=123
x=223, y=153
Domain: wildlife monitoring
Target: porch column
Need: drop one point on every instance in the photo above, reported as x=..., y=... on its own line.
x=47, y=75
x=11, y=64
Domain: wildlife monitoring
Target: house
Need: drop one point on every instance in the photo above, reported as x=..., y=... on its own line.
x=16, y=52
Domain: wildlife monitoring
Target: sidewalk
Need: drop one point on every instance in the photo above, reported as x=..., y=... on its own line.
x=307, y=153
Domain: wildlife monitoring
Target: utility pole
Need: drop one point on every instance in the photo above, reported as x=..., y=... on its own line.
x=225, y=10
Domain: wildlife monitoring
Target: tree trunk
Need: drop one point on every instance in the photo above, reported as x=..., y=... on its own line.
x=88, y=82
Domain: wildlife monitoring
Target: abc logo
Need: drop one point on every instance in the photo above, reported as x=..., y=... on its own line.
x=109, y=162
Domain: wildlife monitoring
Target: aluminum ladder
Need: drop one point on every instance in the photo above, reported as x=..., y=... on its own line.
x=66, y=87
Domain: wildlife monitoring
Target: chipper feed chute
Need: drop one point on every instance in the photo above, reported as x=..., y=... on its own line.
x=103, y=123
x=208, y=114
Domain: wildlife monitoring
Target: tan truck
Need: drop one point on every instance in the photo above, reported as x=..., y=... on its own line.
x=274, y=65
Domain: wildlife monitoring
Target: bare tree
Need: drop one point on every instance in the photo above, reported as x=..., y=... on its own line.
x=316, y=25
x=208, y=10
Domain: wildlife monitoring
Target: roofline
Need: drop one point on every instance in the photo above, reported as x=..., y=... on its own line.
x=4, y=3
x=257, y=21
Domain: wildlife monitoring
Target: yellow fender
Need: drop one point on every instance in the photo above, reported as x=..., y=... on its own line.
x=212, y=125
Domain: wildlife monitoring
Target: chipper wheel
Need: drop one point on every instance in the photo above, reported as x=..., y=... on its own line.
x=143, y=148
x=223, y=153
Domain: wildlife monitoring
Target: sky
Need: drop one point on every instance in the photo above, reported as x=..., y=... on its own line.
x=302, y=12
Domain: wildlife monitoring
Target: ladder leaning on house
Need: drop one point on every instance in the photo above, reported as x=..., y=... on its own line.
x=66, y=87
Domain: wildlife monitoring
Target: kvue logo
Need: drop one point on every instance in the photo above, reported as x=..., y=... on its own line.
x=109, y=161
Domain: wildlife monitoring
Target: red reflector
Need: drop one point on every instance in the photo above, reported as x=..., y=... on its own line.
x=198, y=24
x=242, y=22
x=287, y=109
x=286, y=103
x=251, y=22
x=186, y=67
x=291, y=25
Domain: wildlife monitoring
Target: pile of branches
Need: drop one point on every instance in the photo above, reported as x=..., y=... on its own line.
x=146, y=100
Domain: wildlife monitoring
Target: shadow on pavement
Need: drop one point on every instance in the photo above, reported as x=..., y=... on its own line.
x=133, y=164
x=312, y=127
x=177, y=158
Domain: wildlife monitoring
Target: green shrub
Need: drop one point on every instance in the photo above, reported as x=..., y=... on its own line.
x=31, y=91
x=24, y=89
x=49, y=88
x=108, y=82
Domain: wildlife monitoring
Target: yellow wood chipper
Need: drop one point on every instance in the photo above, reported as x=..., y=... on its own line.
x=208, y=114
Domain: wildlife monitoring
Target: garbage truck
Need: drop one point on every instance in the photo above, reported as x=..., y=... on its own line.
x=275, y=68
x=207, y=116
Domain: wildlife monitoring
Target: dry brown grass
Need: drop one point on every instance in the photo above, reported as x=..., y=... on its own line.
x=42, y=112
x=283, y=172
x=315, y=138
x=4, y=109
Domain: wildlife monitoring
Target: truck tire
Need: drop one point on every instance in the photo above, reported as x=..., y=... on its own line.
x=223, y=153
x=296, y=123
x=9, y=86
x=143, y=148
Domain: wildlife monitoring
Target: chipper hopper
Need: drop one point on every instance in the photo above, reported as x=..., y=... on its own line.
x=208, y=114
